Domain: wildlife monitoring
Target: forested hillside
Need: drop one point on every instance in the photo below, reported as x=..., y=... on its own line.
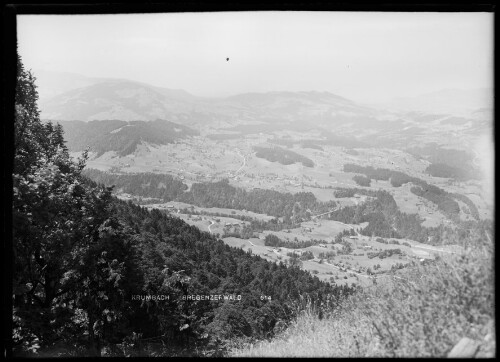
x=386, y=220
x=446, y=171
x=94, y=275
x=120, y=136
x=446, y=162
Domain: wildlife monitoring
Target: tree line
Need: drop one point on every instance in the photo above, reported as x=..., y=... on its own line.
x=447, y=171
x=275, y=241
x=158, y=186
x=285, y=157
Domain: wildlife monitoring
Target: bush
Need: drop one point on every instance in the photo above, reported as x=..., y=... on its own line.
x=438, y=304
x=307, y=255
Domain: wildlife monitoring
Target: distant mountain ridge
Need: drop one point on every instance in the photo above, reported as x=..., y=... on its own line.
x=69, y=96
x=450, y=101
x=325, y=114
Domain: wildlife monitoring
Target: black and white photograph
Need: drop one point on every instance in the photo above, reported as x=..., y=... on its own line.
x=253, y=184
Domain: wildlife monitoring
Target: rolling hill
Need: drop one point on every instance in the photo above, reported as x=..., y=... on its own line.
x=116, y=99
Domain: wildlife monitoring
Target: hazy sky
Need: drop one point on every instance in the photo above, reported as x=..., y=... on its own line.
x=365, y=56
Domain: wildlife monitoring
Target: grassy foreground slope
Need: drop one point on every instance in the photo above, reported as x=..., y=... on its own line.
x=423, y=312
